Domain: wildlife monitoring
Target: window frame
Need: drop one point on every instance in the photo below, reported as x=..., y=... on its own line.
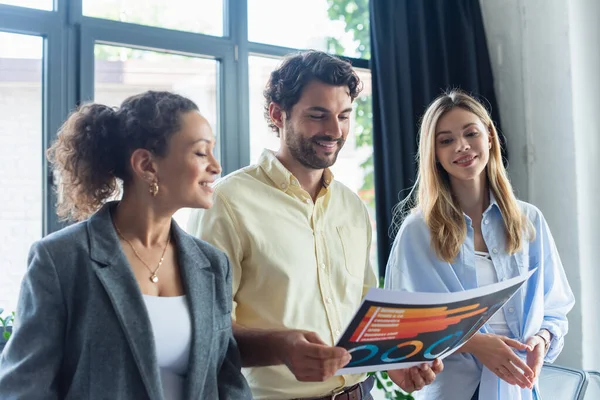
x=68, y=70
x=51, y=27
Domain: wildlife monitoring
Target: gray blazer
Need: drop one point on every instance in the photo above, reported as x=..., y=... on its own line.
x=83, y=331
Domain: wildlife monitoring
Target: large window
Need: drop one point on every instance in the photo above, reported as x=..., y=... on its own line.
x=122, y=71
x=328, y=25
x=39, y=4
x=21, y=161
x=56, y=54
x=186, y=15
x=261, y=136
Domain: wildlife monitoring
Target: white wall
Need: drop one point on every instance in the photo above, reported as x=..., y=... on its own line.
x=585, y=58
x=546, y=66
x=504, y=41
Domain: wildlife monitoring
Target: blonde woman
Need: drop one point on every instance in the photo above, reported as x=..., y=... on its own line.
x=467, y=230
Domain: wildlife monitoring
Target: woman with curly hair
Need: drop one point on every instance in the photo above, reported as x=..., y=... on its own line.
x=466, y=230
x=124, y=304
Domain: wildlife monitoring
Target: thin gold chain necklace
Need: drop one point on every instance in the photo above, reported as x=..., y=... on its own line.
x=153, y=277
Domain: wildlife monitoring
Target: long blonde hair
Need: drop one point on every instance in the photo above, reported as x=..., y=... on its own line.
x=434, y=198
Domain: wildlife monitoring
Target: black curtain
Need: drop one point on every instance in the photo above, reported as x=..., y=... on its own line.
x=419, y=48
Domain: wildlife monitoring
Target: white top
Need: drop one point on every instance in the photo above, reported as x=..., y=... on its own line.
x=486, y=275
x=172, y=327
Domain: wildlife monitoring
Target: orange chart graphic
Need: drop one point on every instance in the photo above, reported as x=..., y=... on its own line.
x=387, y=323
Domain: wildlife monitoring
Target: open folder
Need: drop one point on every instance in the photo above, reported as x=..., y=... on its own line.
x=394, y=329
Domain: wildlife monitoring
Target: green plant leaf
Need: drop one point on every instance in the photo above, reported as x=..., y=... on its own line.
x=6, y=335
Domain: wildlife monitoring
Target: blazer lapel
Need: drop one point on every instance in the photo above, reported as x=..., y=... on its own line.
x=199, y=283
x=115, y=274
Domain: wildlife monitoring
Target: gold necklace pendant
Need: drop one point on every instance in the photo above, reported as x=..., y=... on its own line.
x=153, y=278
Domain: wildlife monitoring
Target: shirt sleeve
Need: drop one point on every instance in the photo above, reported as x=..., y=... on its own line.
x=558, y=297
x=218, y=226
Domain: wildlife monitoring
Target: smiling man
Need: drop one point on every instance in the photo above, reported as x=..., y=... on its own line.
x=297, y=239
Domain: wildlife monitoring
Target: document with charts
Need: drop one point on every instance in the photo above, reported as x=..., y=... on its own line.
x=394, y=329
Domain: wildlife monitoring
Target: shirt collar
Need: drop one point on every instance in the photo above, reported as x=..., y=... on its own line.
x=280, y=175
x=327, y=177
x=493, y=205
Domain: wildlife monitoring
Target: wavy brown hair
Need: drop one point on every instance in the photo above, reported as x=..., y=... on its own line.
x=287, y=82
x=91, y=153
x=434, y=197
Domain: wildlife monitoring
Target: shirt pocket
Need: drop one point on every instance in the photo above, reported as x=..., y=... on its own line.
x=354, y=246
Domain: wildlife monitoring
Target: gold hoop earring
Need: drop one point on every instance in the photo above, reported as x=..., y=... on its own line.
x=153, y=189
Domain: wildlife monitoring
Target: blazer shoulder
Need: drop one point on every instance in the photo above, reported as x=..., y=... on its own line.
x=215, y=256
x=65, y=238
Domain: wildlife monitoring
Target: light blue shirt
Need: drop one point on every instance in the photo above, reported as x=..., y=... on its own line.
x=541, y=303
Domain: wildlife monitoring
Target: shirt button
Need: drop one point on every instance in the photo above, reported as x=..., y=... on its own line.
x=294, y=182
x=487, y=221
x=511, y=310
x=329, y=300
x=307, y=201
x=323, y=267
x=495, y=250
x=337, y=333
x=283, y=185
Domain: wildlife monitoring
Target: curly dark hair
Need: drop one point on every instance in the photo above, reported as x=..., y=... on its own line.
x=287, y=82
x=95, y=143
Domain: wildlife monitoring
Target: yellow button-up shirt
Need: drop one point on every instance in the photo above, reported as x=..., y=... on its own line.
x=295, y=264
